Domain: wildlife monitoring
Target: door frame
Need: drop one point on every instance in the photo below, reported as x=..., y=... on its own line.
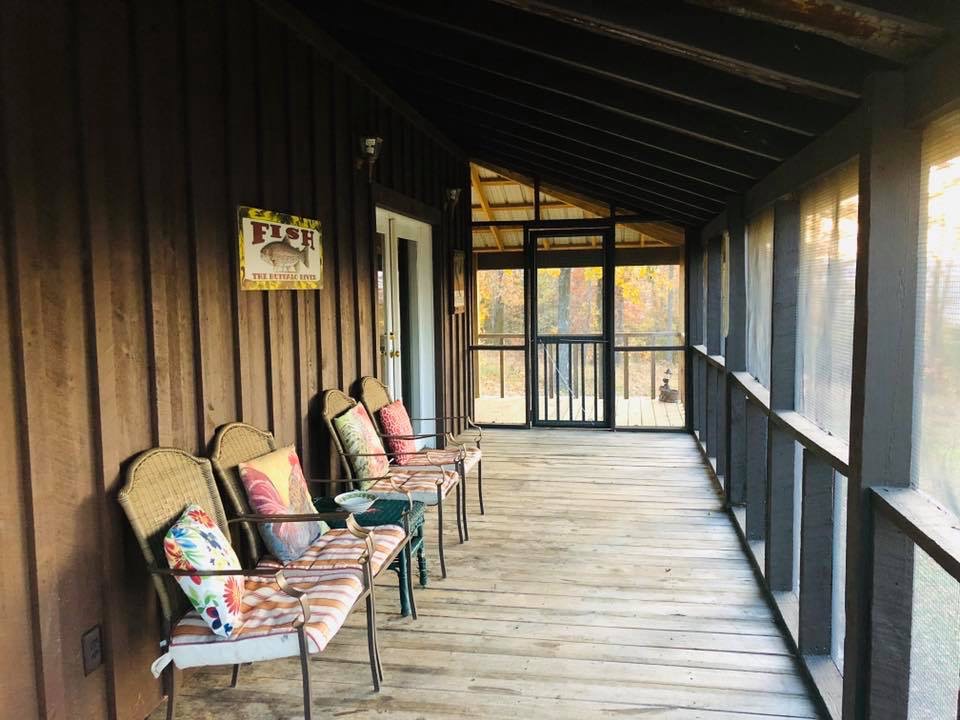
x=607, y=257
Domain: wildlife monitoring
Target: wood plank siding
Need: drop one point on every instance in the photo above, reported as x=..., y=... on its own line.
x=605, y=580
x=129, y=133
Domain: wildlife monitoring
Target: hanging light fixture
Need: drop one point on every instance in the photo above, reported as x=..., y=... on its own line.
x=369, y=153
x=451, y=198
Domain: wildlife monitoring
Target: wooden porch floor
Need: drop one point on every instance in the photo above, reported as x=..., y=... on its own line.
x=604, y=581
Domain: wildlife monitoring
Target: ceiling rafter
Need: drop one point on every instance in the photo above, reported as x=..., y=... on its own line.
x=654, y=203
x=478, y=187
x=572, y=151
x=482, y=34
x=700, y=152
x=588, y=187
x=544, y=88
x=778, y=56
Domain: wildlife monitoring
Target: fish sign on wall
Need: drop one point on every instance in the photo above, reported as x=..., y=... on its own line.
x=279, y=251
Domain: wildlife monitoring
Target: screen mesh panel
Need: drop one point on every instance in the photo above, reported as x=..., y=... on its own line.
x=936, y=457
x=838, y=620
x=934, y=641
x=827, y=276
x=759, y=294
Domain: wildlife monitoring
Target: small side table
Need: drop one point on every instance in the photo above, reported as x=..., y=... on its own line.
x=390, y=512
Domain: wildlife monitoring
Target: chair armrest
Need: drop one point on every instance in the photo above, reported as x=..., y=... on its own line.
x=303, y=517
x=466, y=418
x=419, y=436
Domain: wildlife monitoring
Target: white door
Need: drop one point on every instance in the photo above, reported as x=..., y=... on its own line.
x=415, y=304
x=391, y=364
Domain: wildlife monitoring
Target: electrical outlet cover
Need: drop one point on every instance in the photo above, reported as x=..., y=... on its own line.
x=92, y=650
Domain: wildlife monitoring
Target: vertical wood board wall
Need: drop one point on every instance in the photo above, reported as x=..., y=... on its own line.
x=129, y=133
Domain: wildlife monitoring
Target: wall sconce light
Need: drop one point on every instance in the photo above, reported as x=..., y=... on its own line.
x=451, y=198
x=369, y=152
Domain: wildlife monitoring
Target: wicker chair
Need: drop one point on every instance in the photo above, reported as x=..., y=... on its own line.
x=238, y=442
x=375, y=395
x=159, y=484
x=427, y=484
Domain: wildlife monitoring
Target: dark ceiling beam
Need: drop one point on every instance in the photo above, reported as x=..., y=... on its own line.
x=501, y=39
x=597, y=173
x=765, y=53
x=598, y=194
x=548, y=167
x=884, y=28
x=481, y=124
x=668, y=168
x=541, y=84
x=595, y=163
x=485, y=156
x=725, y=158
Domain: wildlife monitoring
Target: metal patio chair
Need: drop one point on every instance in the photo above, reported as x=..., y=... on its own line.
x=159, y=485
x=375, y=395
x=429, y=484
x=238, y=442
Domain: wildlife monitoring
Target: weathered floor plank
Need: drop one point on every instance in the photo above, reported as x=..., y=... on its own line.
x=615, y=587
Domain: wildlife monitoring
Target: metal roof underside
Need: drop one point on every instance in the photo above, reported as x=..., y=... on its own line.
x=666, y=107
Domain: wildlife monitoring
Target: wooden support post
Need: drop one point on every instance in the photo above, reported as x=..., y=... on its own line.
x=882, y=402
x=783, y=337
x=816, y=556
x=735, y=352
x=778, y=558
x=756, y=471
x=891, y=622
x=736, y=476
x=714, y=282
x=702, y=370
x=735, y=357
x=720, y=400
x=710, y=395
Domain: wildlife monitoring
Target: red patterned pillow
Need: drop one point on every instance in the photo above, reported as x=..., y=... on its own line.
x=395, y=420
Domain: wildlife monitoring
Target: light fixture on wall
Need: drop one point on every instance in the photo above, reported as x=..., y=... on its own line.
x=451, y=198
x=369, y=152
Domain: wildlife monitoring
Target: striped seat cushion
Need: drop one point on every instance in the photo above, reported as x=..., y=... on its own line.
x=446, y=456
x=339, y=549
x=421, y=483
x=265, y=629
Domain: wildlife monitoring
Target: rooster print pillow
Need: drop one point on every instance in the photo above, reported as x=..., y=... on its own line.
x=195, y=542
x=275, y=486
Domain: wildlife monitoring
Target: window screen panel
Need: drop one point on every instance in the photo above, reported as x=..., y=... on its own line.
x=827, y=279
x=936, y=456
x=759, y=294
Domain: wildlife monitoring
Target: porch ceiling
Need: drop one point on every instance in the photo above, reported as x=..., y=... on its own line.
x=664, y=107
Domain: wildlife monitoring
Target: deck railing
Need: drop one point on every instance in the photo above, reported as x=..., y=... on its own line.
x=625, y=344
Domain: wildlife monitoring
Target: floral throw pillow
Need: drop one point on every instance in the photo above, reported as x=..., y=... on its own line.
x=195, y=542
x=275, y=486
x=395, y=420
x=359, y=437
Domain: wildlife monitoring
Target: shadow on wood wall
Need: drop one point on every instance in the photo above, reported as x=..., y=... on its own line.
x=130, y=133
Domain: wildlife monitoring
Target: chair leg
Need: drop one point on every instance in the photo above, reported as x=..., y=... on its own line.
x=403, y=571
x=460, y=510
x=422, y=558
x=463, y=492
x=235, y=678
x=443, y=562
x=305, y=672
x=372, y=642
x=408, y=554
x=171, y=692
x=480, y=485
